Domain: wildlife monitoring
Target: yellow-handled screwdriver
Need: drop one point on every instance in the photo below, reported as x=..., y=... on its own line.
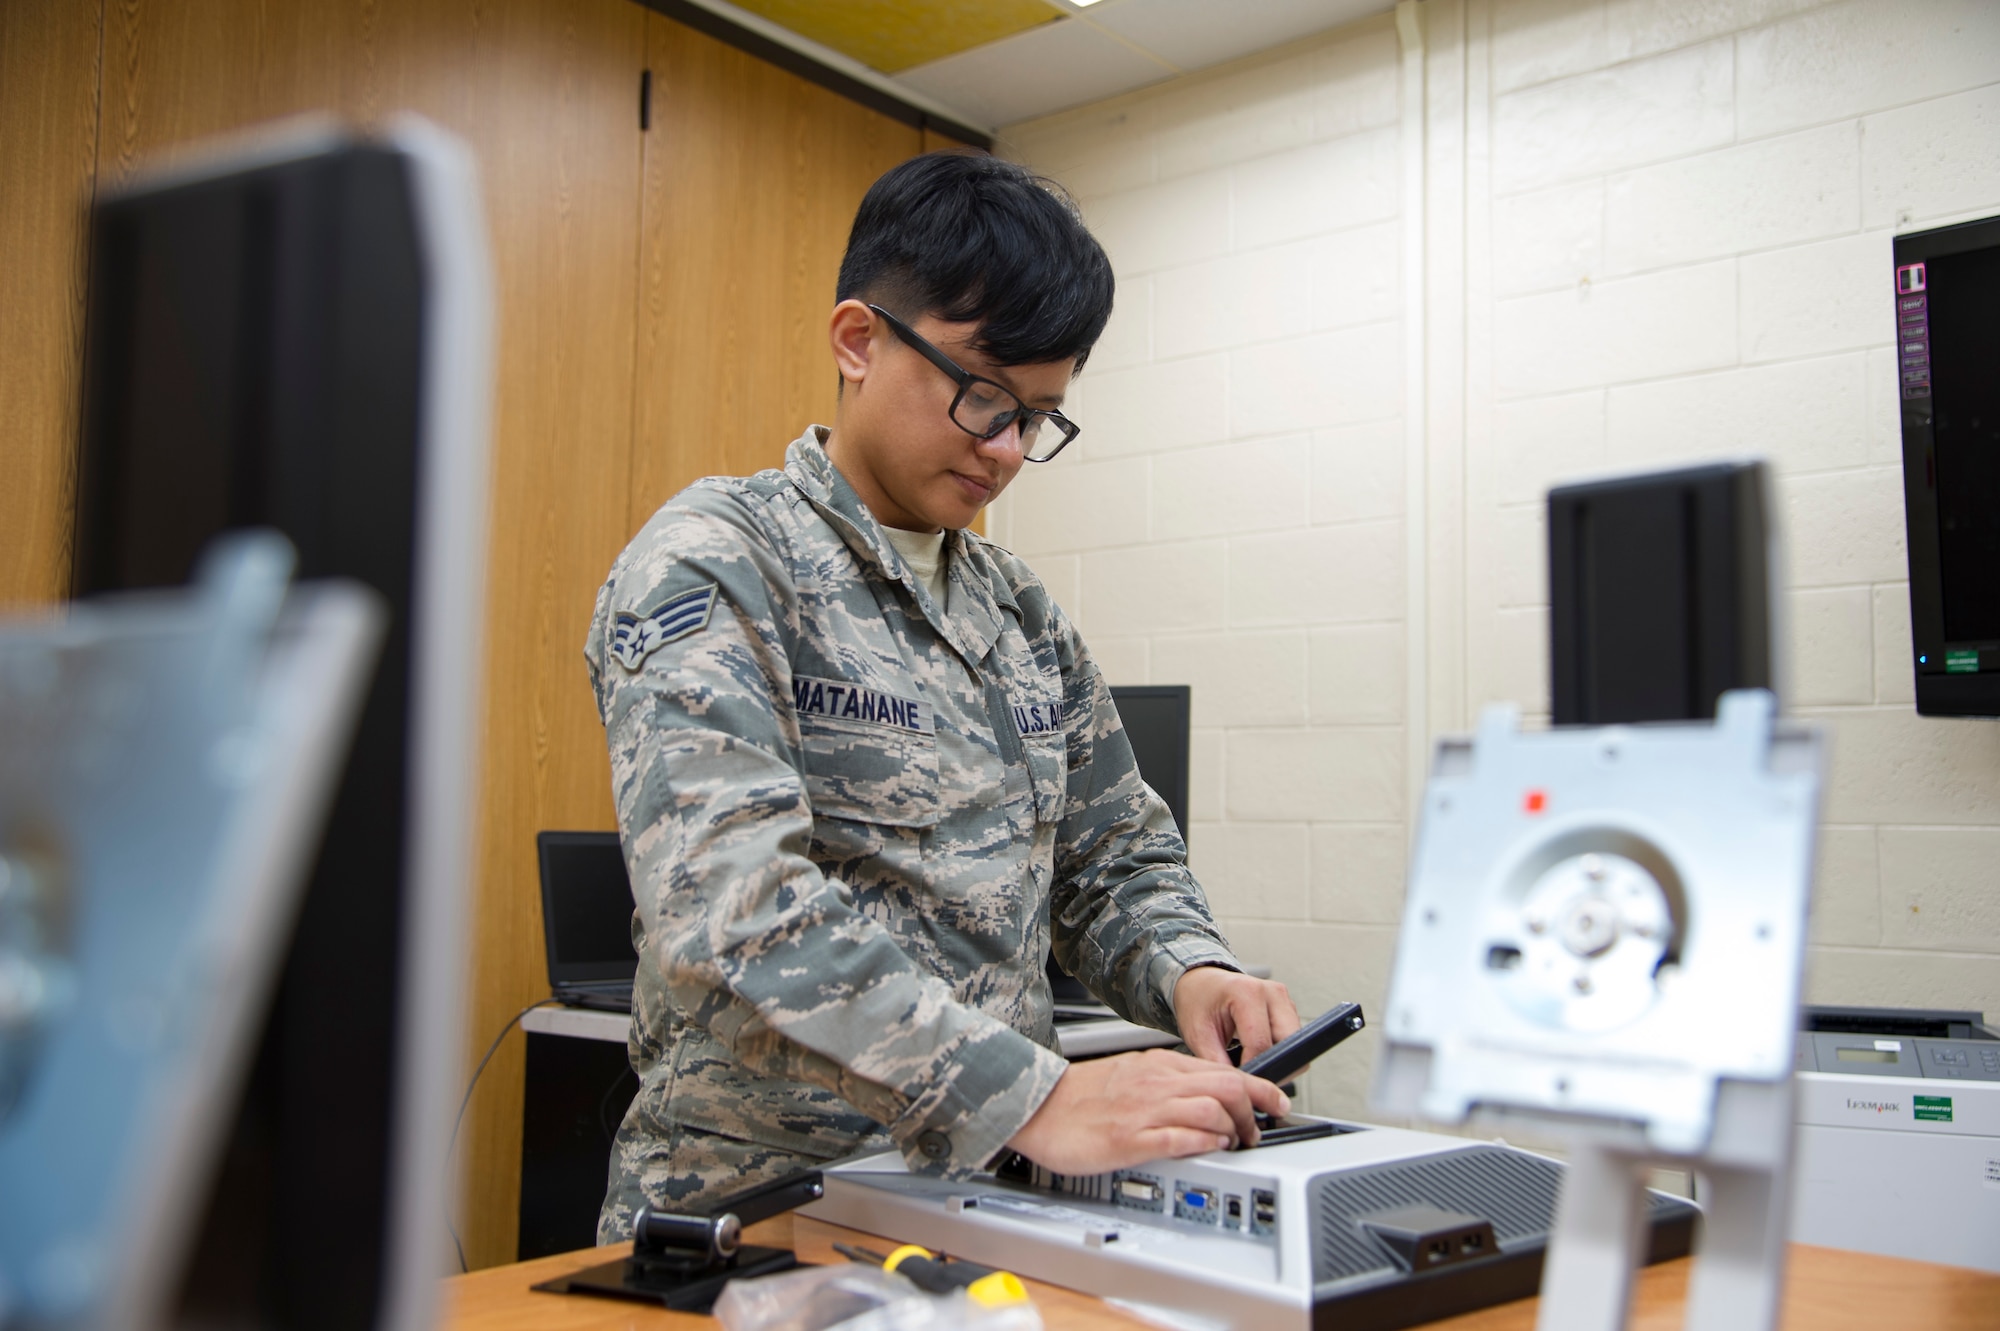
x=928, y=1271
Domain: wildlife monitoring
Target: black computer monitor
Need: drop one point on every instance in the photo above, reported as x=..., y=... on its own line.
x=293, y=333
x=1948, y=366
x=1156, y=720
x=1659, y=594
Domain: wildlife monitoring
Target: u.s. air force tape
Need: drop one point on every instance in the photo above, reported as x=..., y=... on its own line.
x=854, y=702
x=1038, y=718
x=634, y=638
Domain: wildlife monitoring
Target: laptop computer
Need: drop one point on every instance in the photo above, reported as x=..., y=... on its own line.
x=587, y=919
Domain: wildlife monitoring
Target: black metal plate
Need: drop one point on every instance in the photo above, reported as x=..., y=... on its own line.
x=653, y=1282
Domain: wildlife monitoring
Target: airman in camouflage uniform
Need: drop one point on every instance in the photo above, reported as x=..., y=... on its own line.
x=869, y=779
x=857, y=821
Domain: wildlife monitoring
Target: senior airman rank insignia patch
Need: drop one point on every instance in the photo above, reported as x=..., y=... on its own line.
x=633, y=638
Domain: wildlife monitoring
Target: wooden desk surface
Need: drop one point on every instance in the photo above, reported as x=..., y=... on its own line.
x=499, y=1298
x=1826, y=1290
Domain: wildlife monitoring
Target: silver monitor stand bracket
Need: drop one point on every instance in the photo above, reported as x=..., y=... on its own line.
x=1603, y=941
x=166, y=759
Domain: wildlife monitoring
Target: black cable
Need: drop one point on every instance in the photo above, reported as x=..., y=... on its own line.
x=451, y=1149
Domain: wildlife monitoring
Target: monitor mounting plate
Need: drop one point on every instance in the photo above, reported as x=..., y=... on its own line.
x=1603, y=939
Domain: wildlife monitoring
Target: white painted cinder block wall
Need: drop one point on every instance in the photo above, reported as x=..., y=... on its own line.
x=1643, y=231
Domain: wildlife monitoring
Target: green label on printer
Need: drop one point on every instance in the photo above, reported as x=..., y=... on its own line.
x=1933, y=1108
x=1961, y=663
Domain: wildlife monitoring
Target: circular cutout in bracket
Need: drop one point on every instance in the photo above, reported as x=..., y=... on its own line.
x=1583, y=928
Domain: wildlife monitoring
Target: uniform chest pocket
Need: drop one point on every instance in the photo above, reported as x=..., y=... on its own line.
x=1045, y=744
x=1048, y=773
x=870, y=774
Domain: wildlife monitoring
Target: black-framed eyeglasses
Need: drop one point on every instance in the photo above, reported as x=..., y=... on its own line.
x=983, y=408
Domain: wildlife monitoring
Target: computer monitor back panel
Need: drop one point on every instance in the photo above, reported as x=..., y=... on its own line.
x=294, y=332
x=1947, y=289
x=1659, y=594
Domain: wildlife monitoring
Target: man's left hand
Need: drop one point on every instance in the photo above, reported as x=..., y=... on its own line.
x=1217, y=1007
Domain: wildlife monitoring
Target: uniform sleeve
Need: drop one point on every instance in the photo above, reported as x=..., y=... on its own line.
x=754, y=943
x=1126, y=914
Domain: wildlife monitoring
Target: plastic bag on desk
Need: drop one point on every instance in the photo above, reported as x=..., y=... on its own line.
x=944, y=1312
x=812, y=1298
x=858, y=1298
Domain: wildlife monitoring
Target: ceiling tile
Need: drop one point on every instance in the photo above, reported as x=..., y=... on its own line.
x=1034, y=73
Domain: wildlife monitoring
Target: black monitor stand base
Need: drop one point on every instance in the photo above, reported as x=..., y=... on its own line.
x=682, y=1261
x=689, y=1287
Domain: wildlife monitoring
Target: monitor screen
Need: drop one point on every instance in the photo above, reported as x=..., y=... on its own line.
x=1965, y=425
x=1946, y=289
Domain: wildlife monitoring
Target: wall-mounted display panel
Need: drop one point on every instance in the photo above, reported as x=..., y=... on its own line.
x=1947, y=291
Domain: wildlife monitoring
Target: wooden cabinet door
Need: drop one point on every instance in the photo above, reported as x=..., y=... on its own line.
x=663, y=302
x=752, y=176
x=48, y=162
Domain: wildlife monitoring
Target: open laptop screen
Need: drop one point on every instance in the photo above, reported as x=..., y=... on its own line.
x=586, y=908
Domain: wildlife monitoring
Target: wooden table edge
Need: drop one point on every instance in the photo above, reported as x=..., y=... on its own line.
x=1826, y=1288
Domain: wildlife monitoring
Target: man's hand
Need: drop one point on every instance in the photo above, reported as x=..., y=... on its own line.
x=1216, y=1006
x=1111, y=1113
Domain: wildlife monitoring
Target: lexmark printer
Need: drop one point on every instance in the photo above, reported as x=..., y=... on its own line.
x=1899, y=1134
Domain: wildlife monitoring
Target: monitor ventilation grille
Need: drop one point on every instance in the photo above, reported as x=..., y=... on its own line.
x=1517, y=1192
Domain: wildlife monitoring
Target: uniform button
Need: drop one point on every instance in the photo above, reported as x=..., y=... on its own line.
x=934, y=1144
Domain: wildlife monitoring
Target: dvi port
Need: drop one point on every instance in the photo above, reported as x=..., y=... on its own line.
x=1138, y=1191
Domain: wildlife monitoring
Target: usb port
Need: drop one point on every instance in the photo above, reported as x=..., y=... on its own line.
x=1263, y=1211
x=1232, y=1212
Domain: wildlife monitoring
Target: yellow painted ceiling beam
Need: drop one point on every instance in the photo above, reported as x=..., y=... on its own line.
x=893, y=35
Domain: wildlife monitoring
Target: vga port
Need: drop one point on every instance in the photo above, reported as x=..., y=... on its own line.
x=1196, y=1204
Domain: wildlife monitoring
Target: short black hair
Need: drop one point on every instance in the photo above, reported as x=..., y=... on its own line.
x=971, y=238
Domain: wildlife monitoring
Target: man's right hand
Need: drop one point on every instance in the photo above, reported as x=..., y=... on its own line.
x=1112, y=1113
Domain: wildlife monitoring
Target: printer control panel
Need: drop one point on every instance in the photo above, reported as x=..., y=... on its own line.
x=1972, y=1060
x=1899, y=1056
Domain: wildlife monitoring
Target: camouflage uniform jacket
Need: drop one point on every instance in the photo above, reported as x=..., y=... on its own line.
x=856, y=822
